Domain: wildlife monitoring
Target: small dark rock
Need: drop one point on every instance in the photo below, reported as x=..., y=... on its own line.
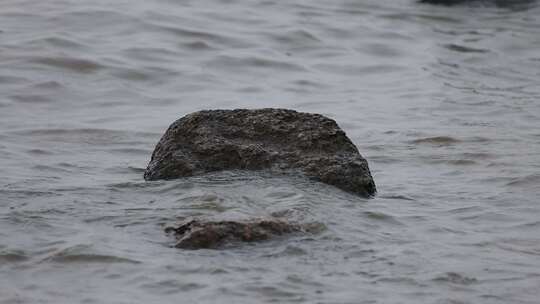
x=275, y=139
x=197, y=234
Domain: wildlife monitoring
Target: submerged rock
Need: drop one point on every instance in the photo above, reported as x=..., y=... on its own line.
x=276, y=139
x=197, y=234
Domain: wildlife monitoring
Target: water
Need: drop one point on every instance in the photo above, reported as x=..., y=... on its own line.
x=444, y=102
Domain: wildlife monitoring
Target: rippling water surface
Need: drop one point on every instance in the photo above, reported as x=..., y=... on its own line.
x=444, y=102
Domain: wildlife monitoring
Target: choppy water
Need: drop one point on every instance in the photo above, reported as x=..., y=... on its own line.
x=444, y=102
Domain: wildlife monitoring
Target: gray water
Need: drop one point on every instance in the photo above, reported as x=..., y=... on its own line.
x=444, y=102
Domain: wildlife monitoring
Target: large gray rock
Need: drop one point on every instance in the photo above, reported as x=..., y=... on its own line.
x=276, y=139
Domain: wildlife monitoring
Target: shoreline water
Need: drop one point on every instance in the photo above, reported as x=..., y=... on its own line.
x=442, y=101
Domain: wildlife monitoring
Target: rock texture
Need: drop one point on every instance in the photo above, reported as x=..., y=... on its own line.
x=275, y=139
x=197, y=234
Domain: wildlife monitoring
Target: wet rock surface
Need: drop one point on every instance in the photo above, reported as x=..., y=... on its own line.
x=200, y=234
x=276, y=139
